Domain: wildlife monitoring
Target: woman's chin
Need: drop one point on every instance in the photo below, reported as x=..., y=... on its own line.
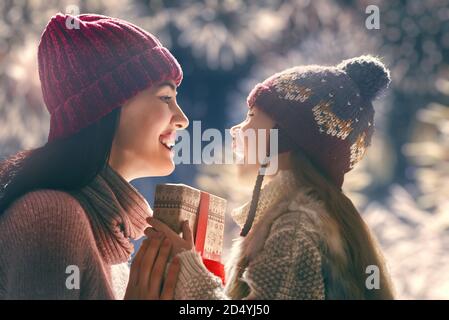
x=167, y=168
x=171, y=168
x=162, y=167
x=166, y=162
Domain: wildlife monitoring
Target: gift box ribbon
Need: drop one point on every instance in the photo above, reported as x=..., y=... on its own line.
x=200, y=238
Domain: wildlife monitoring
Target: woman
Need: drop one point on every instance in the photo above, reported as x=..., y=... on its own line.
x=67, y=208
x=302, y=238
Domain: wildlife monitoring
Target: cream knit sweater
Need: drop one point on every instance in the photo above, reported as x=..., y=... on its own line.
x=281, y=257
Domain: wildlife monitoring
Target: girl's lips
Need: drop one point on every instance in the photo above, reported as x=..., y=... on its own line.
x=238, y=146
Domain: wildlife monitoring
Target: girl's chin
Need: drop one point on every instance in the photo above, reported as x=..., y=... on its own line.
x=247, y=172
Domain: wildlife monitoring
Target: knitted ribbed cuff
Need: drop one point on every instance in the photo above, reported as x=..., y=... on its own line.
x=195, y=281
x=192, y=266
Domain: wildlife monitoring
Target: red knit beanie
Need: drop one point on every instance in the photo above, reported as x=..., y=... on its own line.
x=325, y=111
x=90, y=64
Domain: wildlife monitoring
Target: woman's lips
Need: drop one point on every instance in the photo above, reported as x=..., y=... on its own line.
x=168, y=139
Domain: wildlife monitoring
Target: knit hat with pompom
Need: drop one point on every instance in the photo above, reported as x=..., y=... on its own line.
x=325, y=111
x=90, y=64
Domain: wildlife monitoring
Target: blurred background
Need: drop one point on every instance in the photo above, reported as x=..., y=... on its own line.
x=226, y=47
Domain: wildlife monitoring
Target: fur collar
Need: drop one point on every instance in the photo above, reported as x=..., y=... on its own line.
x=281, y=186
x=281, y=196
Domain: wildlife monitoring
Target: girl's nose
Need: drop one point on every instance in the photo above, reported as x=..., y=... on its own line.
x=180, y=119
x=234, y=130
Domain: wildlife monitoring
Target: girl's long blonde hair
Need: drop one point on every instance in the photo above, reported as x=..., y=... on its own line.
x=362, y=249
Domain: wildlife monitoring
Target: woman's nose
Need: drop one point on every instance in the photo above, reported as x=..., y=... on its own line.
x=180, y=119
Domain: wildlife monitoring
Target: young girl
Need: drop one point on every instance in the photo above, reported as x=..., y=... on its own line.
x=302, y=238
x=67, y=209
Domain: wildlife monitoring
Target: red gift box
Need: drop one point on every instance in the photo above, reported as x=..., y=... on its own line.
x=205, y=212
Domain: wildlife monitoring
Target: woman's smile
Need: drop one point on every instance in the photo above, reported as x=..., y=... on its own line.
x=167, y=139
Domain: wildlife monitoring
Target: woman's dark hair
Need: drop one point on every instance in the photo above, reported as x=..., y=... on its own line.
x=65, y=164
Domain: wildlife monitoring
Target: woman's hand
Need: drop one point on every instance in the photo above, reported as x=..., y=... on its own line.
x=147, y=270
x=179, y=243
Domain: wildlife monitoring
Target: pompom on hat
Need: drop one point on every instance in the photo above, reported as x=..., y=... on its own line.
x=325, y=111
x=90, y=64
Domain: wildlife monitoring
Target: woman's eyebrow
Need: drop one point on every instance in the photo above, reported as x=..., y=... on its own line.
x=166, y=83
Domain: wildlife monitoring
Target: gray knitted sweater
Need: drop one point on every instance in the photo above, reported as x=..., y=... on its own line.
x=293, y=251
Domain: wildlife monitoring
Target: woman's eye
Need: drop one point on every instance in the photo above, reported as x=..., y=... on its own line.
x=166, y=99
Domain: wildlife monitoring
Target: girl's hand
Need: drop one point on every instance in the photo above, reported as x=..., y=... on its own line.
x=147, y=270
x=179, y=244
